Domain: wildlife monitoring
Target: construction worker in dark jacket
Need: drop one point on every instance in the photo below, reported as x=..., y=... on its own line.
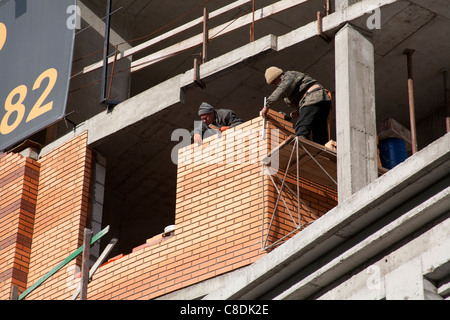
x=221, y=120
x=304, y=93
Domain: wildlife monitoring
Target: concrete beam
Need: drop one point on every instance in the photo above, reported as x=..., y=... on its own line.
x=161, y=96
x=416, y=269
x=125, y=114
x=355, y=111
x=232, y=59
x=98, y=25
x=370, y=247
x=343, y=4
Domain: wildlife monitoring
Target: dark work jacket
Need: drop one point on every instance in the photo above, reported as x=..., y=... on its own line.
x=222, y=118
x=292, y=89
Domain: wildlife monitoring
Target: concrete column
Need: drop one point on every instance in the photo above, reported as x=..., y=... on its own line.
x=407, y=283
x=355, y=111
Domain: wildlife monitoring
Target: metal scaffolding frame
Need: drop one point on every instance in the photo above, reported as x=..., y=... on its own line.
x=290, y=153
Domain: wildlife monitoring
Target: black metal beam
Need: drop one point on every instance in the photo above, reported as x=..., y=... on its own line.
x=104, y=99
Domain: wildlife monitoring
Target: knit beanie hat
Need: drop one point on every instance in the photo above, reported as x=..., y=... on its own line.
x=205, y=108
x=272, y=73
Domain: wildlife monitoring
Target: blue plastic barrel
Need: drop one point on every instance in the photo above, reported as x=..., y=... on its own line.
x=392, y=152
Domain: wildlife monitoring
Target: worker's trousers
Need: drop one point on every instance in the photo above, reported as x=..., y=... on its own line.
x=313, y=119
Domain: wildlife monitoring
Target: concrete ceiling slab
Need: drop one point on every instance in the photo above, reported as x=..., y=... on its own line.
x=400, y=27
x=439, y=7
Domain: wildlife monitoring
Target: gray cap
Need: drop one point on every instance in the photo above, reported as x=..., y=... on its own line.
x=205, y=108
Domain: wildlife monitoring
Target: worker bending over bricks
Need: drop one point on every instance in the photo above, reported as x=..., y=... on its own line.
x=221, y=120
x=311, y=100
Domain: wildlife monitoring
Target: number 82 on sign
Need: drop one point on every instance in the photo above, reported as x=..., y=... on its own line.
x=14, y=103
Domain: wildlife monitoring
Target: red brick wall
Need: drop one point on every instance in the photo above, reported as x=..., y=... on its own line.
x=44, y=208
x=18, y=191
x=218, y=225
x=218, y=220
x=61, y=215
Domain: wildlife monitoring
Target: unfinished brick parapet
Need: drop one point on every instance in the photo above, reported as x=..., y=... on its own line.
x=18, y=192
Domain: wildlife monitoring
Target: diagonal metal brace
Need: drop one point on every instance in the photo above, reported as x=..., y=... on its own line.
x=97, y=264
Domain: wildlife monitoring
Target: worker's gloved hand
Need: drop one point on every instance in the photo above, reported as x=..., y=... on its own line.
x=224, y=128
x=294, y=114
x=198, y=139
x=264, y=112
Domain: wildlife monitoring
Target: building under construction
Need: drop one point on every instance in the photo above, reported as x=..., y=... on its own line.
x=111, y=200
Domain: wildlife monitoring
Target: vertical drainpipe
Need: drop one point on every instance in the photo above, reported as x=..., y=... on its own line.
x=252, y=27
x=106, y=50
x=205, y=35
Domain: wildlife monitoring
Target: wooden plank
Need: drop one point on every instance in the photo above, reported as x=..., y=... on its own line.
x=315, y=149
x=62, y=264
x=166, y=35
x=220, y=30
